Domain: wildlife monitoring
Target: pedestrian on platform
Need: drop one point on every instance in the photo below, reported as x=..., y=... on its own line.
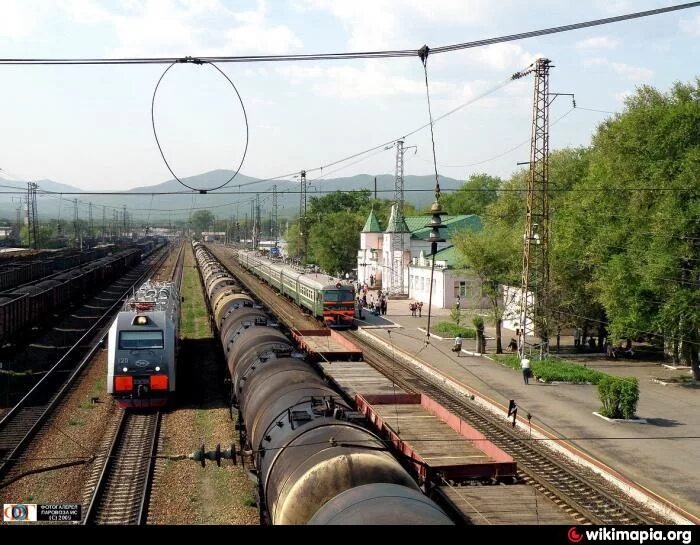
x=457, y=346
x=420, y=309
x=371, y=280
x=527, y=373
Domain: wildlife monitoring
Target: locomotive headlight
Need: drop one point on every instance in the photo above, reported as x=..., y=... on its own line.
x=141, y=320
x=124, y=369
x=157, y=369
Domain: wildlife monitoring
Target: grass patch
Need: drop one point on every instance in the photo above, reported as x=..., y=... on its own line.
x=555, y=369
x=618, y=395
x=452, y=330
x=249, y=501
x=194, y=318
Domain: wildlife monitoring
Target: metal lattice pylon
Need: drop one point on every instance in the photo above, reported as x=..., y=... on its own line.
x=303, y=235
x=274, y=229
x=397, y=242
x=32, y=217
x=535, y=276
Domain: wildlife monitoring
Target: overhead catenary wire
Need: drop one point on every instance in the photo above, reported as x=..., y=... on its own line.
x=397, y=53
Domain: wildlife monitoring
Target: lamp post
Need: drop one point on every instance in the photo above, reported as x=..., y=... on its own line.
x=434, y=237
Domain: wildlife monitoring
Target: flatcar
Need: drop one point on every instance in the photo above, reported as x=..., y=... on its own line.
x=328, y=299
x=143, y=346
x=316, y=461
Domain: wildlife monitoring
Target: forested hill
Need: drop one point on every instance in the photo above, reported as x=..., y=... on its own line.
x=235, y=198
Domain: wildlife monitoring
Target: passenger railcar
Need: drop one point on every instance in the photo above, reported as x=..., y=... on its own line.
x=143, y=347
x=316, y=461
x=327, y=298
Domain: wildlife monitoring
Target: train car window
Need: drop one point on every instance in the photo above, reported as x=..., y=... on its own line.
x=140, y=340
x=338, y=295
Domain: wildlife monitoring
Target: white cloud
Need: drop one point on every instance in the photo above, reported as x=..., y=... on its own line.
x=691, y=26
x=374, y=80
x=382, y=24
x=505, y=56
x=180, y=27
x=635, y=73
x=598, y=42
x=18, y=18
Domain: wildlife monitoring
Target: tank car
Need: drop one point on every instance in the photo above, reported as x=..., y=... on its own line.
x=316, y=461
x=143, y=347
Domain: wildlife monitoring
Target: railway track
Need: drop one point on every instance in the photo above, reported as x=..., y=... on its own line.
x=25, y=419
x=590, y=498
x=123, y=488
x=586, y=496
x=123, y=475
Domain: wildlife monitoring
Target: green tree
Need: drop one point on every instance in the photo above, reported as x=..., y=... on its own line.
x=474, y=196
x=334, y=241
x=202, y=220
x=492, y=254
x=632, y=220
x=456, y=315
x=43, y=235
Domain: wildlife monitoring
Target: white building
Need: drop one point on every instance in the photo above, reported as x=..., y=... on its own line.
x=402, y=246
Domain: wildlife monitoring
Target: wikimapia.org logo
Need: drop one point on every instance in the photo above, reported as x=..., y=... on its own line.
x=639, y=536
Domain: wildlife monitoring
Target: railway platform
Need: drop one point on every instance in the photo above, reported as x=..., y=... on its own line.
x=660, y=456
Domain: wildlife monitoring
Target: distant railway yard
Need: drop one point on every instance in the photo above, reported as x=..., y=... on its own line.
x=270, y=416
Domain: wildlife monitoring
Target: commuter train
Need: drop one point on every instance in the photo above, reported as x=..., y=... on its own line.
x=316, y=461
x=143, y=347
x=328, y=299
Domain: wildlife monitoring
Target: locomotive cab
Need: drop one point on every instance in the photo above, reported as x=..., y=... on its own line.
x=142, y=352
x=339, y=305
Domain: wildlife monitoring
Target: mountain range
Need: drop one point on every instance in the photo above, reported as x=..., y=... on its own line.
x=234, y=200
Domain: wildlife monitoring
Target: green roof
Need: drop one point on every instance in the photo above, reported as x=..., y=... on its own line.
x=448, y=254
x=397, y=224
x=417, y=225
x=372, y=224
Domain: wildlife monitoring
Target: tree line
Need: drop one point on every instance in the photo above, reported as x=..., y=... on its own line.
x=625, y=222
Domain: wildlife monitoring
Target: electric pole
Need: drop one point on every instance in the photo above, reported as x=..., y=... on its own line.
x=398, y=242
x=274, y=229
x=534, y=317
x=91, y=225
x=303, y=235
x=257, y=230
x=76, y=229
x=31, y=215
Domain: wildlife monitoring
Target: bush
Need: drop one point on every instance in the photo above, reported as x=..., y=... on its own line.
x=619, y=396
x=453, y=330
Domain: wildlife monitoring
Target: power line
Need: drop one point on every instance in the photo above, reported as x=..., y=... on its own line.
x=350, y=55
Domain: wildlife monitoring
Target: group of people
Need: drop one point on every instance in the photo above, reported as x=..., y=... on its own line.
x=416, y=309
x=378, y=307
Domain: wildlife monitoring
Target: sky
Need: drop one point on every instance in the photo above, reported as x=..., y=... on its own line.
x=90, y=126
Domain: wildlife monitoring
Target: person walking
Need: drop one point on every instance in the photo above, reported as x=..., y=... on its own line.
x=458, y=345
x=420, y=309
x=525, y=365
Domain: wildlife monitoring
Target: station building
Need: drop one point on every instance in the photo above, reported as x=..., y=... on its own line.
x=397, y=260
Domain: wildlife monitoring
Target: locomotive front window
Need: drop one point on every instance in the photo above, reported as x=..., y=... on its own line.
x=140, y=340
x=339, y=296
